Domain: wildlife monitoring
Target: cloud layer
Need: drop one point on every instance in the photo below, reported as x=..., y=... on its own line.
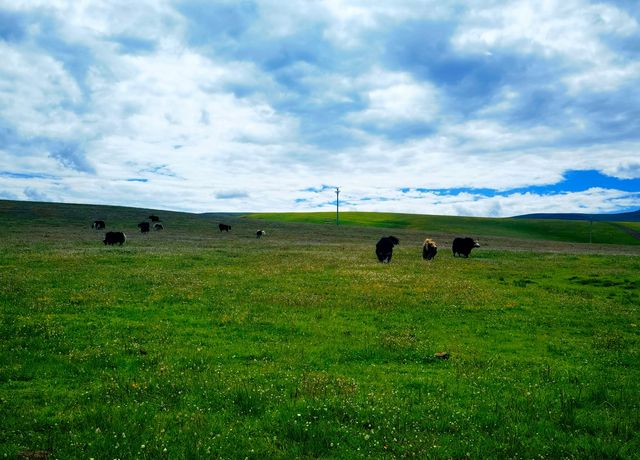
x=468, y=108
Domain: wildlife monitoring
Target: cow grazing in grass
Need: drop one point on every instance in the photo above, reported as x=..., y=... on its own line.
x=224, y=227
x=98, y=224
x=260, y=233
x=384, y=248
x=115, y=238
x=153, y=218
x=429, y=249
x=144, y=227
x=158, y=226
x=463, y=246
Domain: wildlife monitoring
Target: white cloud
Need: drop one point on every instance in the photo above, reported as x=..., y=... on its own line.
x=568, y=30
x=90, y=19
x=152, y=113
x=487, y=135
x=390, y=97
x=603, y=77
x=403, y=101
x=594, y=200
x=34, y=92
x=350, y=21
x=214, y=128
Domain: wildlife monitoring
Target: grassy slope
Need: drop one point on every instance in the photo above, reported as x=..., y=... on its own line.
x=190, y=343
x=635, y=226
x=542, y=229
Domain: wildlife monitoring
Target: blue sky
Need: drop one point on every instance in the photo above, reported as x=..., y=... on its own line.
x=480, y=108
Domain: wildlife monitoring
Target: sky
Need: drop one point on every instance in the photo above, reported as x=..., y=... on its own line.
x=476, y=108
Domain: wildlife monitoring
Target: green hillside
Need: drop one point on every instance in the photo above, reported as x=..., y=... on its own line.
x=126, y=219
x=634, y=226
x=536, y=229
x=120, y=218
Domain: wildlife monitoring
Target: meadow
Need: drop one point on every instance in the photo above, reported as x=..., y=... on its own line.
x=192, y=343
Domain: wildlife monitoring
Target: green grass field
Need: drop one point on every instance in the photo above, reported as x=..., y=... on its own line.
x=535, y=229
x=191, y=343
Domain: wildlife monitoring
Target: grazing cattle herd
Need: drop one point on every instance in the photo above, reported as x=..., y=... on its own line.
x=461, y=247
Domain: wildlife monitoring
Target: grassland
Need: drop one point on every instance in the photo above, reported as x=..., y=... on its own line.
x=191, y=343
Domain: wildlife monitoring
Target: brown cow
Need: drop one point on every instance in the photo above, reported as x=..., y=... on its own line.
x=429, y=249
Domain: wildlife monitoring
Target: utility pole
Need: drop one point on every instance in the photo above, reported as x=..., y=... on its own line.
x=337, y=205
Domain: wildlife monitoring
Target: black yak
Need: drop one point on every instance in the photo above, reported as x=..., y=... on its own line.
x=153, y=218
x=115, y=237
x=463, y=246
x=144, y=227
x=384, y=248
x=429, y=249
x=224, y=227
x=259, y=233
x=158, y=226
x=98, y=224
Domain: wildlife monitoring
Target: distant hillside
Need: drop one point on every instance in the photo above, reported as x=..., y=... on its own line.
x=23, y=216
x=478, y=227
x=20, y=214
x=633, y=216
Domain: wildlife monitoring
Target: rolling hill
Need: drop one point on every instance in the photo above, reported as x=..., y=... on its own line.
x=565, y=230
x=18, y=215
x=633, y=216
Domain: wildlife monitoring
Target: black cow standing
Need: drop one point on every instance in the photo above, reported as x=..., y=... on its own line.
x=224, y=227
x=384, y=248
x=115, y=238
x=463, y=246
x=98, y=224
x=154, y=218
x=259, y=233
x=144, y=227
